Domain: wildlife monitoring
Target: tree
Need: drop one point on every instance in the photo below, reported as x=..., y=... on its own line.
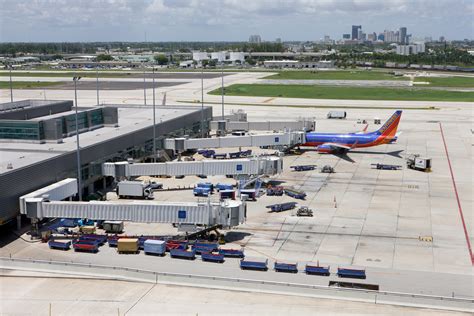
x=104, y=57
x=161, y=59
x=251, y=61
x=212, y=63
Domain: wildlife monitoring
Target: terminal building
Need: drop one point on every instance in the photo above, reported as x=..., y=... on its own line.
x=38, y=142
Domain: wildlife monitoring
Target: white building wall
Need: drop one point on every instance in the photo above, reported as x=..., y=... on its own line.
x=219, y=56
x=237, y=56
x=199, y=56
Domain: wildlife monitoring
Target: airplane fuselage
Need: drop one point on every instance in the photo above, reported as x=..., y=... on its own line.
x=352, y=140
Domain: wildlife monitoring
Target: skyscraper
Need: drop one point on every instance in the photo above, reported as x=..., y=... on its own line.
x=256, y=39
x=403, y=35
x=355, y=31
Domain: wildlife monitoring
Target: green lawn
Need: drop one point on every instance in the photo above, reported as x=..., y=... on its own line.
x=336, y=75
x=461, y=82
x=344, y=93
x=27, y=84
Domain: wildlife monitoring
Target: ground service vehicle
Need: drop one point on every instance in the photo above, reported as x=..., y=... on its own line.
x=232, y=253
x=300, y=195
x=254, y=264
x=304, y=211
x=212, y=257
x=183, y=254
x=60, y=245
x=303, y=167
x=337, y=115
x=351, y=273
x=199, y=191
x=282, y=206
x=327, y=169
x=382, y=166
x=317, y=270
x=134, y=189
x=286, y=267
x=416, y=162
x=85, y=246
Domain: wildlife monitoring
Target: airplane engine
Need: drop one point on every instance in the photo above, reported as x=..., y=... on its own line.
x=324, y=149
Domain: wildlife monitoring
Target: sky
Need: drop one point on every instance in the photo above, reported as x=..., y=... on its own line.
x=227, y=20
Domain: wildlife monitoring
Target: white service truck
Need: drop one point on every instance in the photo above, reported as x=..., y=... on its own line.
x=134, y=190
x=417, y=162
x=337, y=115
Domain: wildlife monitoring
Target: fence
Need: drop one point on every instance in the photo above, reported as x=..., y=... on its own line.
x=249, y=285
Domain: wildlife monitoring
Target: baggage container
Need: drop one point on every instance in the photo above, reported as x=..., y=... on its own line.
x=286, y=267
x=212, y=257
x=223, y=186
x=198, y=191
x=60, y=245
x=115, y=227
x=183, y=254
x=113, y=241
x=87, y=229
x=127, y=245
x=232, y=253
x=85, y=246
x=176, y=244
x=100, y=239
x=254, y=264
x=154, y=247
x=315, y=269
x=351, y=273
x=205, y=247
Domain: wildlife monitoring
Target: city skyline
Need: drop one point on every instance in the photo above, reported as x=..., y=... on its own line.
x=212, y=20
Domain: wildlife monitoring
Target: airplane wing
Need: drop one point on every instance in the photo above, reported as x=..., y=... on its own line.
x=336, y=146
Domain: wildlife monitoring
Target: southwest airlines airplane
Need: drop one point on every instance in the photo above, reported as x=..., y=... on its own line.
x=333, y=143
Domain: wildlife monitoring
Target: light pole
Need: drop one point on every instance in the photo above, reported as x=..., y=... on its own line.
x=222, y=90
x=202, y=101
x=97, y=84
x=154, y=117
x=11, y=85
x=144, y=87
x=78, y=151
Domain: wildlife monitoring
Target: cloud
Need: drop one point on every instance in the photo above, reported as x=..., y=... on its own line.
x=195, y=15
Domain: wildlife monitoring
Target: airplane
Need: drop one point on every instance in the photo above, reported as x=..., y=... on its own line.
x=333, y=143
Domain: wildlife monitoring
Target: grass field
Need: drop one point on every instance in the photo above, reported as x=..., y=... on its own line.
x=345, y=93
x=71, y=74
x=27, y=84
x=336, y=75
x=460, y=82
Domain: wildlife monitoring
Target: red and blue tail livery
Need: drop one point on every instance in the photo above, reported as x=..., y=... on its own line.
x=337, y=143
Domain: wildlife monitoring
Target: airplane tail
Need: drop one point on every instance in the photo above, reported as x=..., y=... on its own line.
x=389, y=129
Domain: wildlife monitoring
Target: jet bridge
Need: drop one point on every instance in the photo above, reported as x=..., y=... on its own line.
x=267, y=165
x=300, y=125
x=287, y=139
x=227, y=213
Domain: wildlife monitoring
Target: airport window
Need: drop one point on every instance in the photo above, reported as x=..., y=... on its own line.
x=182, y=214
x=239, y=167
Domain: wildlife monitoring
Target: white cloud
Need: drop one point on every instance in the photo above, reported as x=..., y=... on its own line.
x=194, y=14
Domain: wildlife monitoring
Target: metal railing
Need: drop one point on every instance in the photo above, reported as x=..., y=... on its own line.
x=124, y=273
